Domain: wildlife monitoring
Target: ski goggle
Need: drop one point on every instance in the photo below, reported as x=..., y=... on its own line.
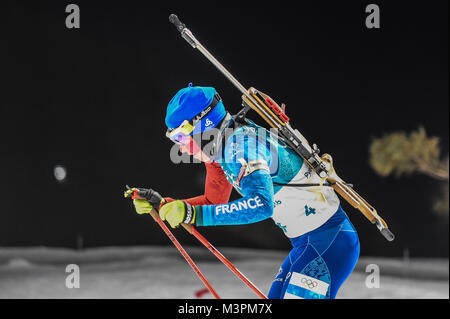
x=182, y=134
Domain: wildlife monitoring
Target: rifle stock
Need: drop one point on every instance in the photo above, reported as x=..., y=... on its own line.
x=277, y=120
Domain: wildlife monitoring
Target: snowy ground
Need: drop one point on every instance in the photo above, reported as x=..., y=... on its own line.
x=161, y=272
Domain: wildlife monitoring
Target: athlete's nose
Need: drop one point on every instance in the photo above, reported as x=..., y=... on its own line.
x=183, y=148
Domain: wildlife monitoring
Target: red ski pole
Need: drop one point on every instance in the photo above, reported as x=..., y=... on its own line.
x=183, y=252
x=180, y=248
x=191, y=229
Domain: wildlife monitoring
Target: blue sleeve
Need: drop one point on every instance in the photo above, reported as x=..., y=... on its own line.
x=255, y=206
x=256, y=188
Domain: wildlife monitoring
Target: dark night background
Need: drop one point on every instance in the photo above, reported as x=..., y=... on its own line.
x=93, y=99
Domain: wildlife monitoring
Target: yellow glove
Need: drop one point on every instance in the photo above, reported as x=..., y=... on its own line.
x=142, y=206
x=177, y=212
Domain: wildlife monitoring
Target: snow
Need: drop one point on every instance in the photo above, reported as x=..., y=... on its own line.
x=161, y=272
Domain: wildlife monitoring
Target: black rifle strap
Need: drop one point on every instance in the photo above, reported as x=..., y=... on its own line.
x=301, y=184
x=309, y=184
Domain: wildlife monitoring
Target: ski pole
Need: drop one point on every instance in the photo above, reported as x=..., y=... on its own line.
x=191, y=229
x=183, y=252
x=180, y=248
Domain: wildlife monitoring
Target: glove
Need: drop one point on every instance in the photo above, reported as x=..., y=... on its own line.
x=144, y=200
x=177, y=212
x=142, y=206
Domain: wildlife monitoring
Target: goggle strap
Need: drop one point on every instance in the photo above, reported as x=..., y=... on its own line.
x=216, y=99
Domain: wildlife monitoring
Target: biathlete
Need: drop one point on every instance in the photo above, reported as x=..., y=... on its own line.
x=274, y=183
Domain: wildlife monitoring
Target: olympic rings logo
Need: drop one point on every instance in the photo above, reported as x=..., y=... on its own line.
x=310, y=283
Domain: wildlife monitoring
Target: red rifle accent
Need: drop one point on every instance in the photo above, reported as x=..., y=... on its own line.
x=277, y=110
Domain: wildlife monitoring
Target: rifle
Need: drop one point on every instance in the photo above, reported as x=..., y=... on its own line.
x=276, y=117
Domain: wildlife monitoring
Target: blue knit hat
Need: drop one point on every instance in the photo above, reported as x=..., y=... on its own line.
x=189, y=102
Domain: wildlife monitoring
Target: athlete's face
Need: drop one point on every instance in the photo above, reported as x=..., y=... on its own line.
x=193, y=149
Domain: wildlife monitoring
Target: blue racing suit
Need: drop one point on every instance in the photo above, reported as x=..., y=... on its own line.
x=325, y=243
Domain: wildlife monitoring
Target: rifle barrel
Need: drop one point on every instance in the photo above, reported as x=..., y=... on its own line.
x=190, y=38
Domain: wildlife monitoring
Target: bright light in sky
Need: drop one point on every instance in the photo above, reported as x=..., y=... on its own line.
x=60, y=173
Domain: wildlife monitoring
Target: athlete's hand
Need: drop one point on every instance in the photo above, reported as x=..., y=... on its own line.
x=177, y=212
x=144, y=200
x=142, y=206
